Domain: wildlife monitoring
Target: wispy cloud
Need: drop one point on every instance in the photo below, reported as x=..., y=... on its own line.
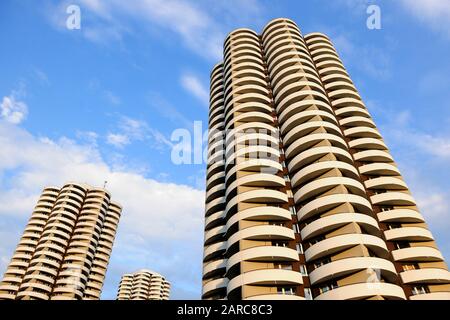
x=433, y=13
x=112, y=98
x=167, y=110
x=194, y=86
x=13, y=110
x=130, y=130
x=201, y=30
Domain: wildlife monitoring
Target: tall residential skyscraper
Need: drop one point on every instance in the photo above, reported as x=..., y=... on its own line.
x=143, y=285
x=303, y=198
x=65, y=248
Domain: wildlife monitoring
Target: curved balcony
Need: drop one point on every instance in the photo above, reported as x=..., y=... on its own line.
x=275, y=297
x=338, y=243
x=373, y=155
x=390, y=183
x=214, y=266
x=343, y=267
x=266, y=277
x=408, y=233
x=263, y=254
x=260, y=214
x=429, y=276
x=303, y=129
x=213, y=286
x=362, y=132
x=216, y=248
x=304, y=116
x=367, y=143
x=393, y=198
x=322, y=204
x=319, y=168
x=257, y=180
x=380, y=169
x=417, y=254
x=363, y=291
x=262, y=232
x=255, y=196
x=314, y=154
x=307, y=142
x=328, y=223
x=317, y=187
x=300, y=106
x=400, y=215
x=432, y=296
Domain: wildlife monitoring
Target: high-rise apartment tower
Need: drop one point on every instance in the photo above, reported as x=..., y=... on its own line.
x=303, y=198
x=65, y=248
x=143, y=285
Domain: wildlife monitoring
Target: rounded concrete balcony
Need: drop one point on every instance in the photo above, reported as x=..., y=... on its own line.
x=266, y=277
x=408, y=233
x=328, y=223
x=373, y=155
x=214, y=219
x=213, y=266
x=255, y=165
x=303, y=118
x=301, y=106
x=263, y=254
x=429, y=275
x=367, y=143
x=393, y=198
x=261, y=214
x=390, y=183
x=381, y=169
x=303, y=129
x=417, y=254
x=307, y=142
x=311, y=155
x=215, y=248
x=343, y=267
x=262, y=232
x=432, y=296
x=213, y=286
x=364, y=290
x=362, y=132
x=259, y=195
x=317, y=187
x=322, y=204
x=338, y=243
x=257, y=180
x=349, y=111
x=317, y=169
x=215, y=233
x=400, y=215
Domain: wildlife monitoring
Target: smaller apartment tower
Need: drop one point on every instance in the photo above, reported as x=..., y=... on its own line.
x=143, y=285
x=64, y=251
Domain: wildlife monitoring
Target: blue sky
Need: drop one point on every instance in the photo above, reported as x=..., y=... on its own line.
x=101, y=103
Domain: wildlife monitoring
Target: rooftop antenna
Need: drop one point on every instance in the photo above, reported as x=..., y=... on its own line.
x=104, y=184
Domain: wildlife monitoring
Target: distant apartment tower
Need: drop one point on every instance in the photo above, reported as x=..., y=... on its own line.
x=65, y=249
x=143, y=285
x=303, y=198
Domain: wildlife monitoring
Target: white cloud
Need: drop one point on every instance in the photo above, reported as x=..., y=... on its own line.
x=202, y=30
x=117, y=140
x=161, y=225
x=192, y=84
x=112, y=98
x=433, y=13
x=12, y=110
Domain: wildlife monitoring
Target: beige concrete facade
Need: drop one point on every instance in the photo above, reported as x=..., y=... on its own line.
x=143, y=285
x=65, y=249
x=303, y=198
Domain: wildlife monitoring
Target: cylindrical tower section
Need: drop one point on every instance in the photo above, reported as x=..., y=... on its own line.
x=345, y=256
x=423, y=272
x=214, y=261
x=262, y=262
x=27, y=244
x=103, y=252
x=50, y=250
x=125, y=286
x=73, y=274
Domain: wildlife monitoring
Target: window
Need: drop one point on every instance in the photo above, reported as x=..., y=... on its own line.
x=289, y=193
x=419, y=290
x=303, y=270
x=283, y=266
x=402, y=244
x=295, y=228
x=410, y=266
x=320, y=263
x=286, y=178
x=299, y=248
x=285, y=290
x=328, y=287
x=293, y=211
x=308, y=294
